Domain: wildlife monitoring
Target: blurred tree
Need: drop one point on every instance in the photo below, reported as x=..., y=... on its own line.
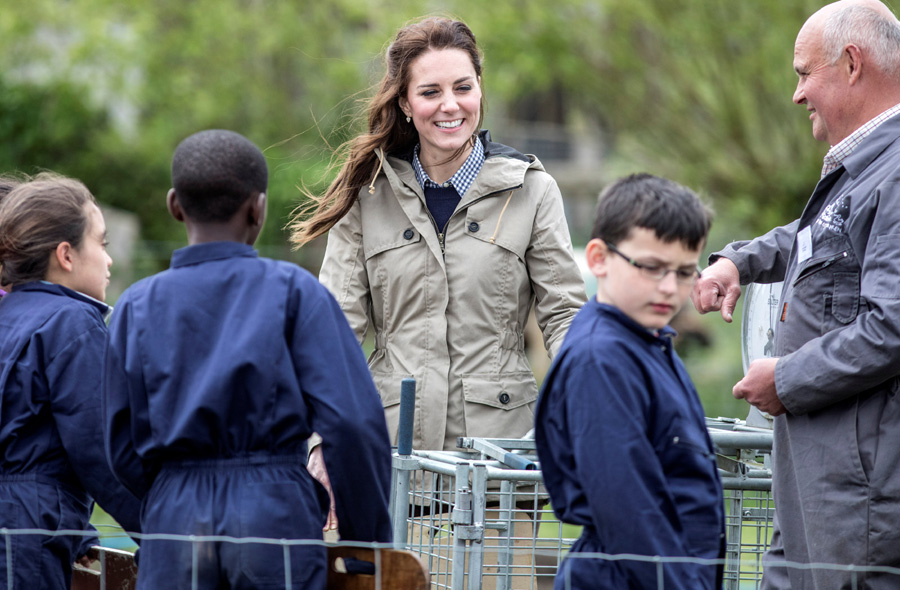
x=277, y=72
x=46, y=123
x=703, y=90
x=697, y=90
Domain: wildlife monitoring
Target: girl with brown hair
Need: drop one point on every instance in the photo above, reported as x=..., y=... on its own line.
x=53, y=257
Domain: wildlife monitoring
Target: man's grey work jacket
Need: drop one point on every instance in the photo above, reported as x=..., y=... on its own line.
x=837, y=450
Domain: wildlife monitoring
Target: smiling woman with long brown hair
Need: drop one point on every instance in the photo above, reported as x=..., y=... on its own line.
x=443, y=241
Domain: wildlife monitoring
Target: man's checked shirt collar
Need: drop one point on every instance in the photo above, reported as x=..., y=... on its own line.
x=464, y=177
x=836, y=155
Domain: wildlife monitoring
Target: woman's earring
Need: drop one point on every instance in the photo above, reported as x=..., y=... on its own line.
x=408, y=119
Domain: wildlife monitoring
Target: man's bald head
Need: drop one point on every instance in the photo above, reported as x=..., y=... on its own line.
x=868, y=24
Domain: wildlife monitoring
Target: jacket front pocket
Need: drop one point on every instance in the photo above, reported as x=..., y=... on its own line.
x=836, y=251
x=820, y=264
x=499, y=406
x=845, y=298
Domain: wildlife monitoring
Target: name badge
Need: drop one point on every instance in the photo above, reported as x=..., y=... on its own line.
x=804, y=244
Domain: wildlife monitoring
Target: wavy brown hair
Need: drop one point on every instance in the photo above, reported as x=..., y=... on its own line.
x=388, y=130
x=35, y=217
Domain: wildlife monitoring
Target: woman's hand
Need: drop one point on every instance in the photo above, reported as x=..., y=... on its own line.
x=316, y=467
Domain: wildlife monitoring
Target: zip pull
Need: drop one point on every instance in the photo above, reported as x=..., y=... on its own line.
x=835, y=258
x=441, y=241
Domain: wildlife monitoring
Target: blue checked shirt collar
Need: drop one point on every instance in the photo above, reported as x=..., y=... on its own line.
x=838, y=152
x=464, y=177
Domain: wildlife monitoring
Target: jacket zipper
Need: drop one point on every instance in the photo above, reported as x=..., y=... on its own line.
x=442, y=232
x=812, y=269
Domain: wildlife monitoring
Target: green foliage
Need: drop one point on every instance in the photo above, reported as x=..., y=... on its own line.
x=40, y=124
x=699, y=91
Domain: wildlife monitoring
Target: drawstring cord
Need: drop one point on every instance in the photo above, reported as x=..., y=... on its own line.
x=377, y=172
x=499, y=219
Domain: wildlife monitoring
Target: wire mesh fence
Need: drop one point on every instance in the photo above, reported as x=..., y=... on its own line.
x=350, y=565
x=481, y=518
x=364, y=566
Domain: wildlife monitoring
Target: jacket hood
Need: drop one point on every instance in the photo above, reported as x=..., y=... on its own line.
x=504, y=167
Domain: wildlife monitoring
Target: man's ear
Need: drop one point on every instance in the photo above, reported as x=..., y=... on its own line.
x=174, y=206
x=597, y=255
x=854, y=63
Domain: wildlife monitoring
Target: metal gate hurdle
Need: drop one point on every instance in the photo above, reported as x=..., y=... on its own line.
x=744, y=457
x=480, y=517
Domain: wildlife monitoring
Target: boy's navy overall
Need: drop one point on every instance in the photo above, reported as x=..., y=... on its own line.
x=220, y=368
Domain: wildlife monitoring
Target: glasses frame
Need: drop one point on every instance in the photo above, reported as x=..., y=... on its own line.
x=653, y=273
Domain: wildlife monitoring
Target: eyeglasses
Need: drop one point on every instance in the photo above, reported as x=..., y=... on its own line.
x=685, y=276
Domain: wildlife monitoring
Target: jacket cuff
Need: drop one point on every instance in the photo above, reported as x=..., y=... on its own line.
x=783, y=388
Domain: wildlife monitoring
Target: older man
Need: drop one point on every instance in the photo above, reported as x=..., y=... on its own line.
x=835, y=384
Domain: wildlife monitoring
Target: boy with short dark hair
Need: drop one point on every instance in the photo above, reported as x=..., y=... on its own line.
x=217, y=372
x=620, y=431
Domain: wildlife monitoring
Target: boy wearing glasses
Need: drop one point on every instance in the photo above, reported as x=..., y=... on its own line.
x=620, y=431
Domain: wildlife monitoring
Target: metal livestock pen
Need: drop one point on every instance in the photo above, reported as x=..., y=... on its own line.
x=480, y=518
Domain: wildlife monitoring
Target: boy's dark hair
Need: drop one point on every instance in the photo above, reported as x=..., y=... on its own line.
x=214, y=172
x=672, y=211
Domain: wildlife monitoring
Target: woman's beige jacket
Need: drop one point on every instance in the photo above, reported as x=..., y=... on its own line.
x=450, y=310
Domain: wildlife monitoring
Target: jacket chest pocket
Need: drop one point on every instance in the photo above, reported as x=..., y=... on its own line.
x=391, y=256
x=493, y=258
x=832, y=255
x=844, y=301
x=693, y=486
x=829, y=284
x=385, y=240
x=684, y=444
x=509, y=228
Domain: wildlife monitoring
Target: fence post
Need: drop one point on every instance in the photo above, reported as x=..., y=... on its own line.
x=399, y=507
x=195, y=563
x=505, y=532
x=461, y=520
x=407, y=415
x=10, y=579
x=288, y=582
x=476, y=536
